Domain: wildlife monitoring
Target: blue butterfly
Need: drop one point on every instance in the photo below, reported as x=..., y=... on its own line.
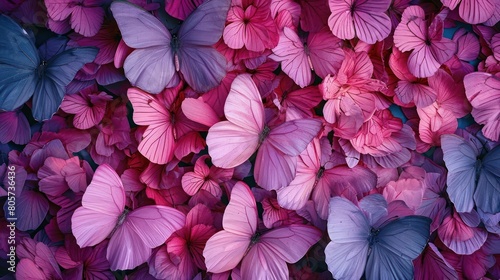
x=359, y=245
x=24, y=74
x=473, y=178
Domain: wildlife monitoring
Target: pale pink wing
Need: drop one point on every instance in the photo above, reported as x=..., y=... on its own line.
x=483, y=92
x=268, y=257
x=421, y=94
x=370, y=21
x=102, y=203
x=295, y=195
x=143, y=229
x=294, y=61
x=273, y=169
x=158, y=141
x=434, y=122
x=476, y=11
x=325, y=52
x=411, y=32
x=199, y=111
x=341, y=20
x=87, y=20
x=232, y=142
x=225, y=249
x=292, y=137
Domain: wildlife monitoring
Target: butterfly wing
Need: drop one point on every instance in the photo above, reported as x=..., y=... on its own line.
x=143, y=229
x=225, y=249
x=460, y=158
x=158, y=141
x=102, y=203
x=290, y=52
x=18, y=61
x=151, y=66
x=395, y=246
x=197, y=35
x=232, y=142
x=268, y=257
x=487, y=194
x=349, y=231
x=59, y=72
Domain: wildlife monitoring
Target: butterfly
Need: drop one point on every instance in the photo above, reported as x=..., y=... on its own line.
x=429, y=49
x=362, y=18
x=133, y=232
x=321, y=52
x=358, y=245
x=232, y=142
x=472, y=177
x=262, y=256
x=159, y=55
x=25, y=73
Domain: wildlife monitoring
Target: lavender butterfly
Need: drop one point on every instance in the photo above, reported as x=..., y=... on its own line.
x=159, y=55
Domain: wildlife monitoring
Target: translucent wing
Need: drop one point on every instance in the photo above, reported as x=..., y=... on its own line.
x=102, y=203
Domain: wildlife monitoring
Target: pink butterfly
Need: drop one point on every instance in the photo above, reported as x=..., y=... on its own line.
x=250, y=25
x=85, y=16
x=262, y=255
x=364, y=19
x=319, y=176
x=429, y=49
x=472, y=11
x=165, y=122
x=89, y=106
x=133, y=232
x=461, y=232
x=232, y=142
x=483, y=92
x=468, y=49
x=321, y=52
x=205, y=178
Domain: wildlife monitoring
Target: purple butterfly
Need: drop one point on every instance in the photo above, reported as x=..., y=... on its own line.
x=159, y=55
